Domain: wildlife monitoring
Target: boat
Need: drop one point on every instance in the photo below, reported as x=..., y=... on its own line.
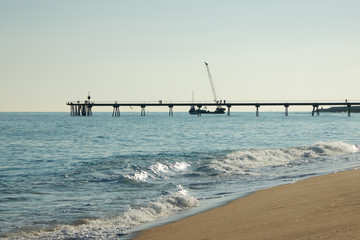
x=199, y=111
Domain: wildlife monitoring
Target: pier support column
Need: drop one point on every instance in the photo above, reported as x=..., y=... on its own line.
x=88, y=110
x=78, y=110
x=228, y=106
x=72, y=110
x=286, y=110
x=315, y=109
x=257, y=109
x=198, y=110
x=116, y=111
x=83, y=110
x=143, y=110
x=171, y=110
x=349, y=110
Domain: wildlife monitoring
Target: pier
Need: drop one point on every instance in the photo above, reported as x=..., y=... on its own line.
x=78, y=108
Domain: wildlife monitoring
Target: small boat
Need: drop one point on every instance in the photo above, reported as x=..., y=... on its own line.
x=199, y=111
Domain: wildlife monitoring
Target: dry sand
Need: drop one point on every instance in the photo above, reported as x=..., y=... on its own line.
x=324, y=207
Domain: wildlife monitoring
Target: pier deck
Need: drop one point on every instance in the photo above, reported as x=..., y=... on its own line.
x=78, y=108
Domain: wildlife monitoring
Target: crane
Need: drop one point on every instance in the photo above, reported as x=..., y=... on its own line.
x=211, y=82
x=219, y=109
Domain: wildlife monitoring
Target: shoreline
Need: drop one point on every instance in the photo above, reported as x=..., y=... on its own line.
x=321, y=207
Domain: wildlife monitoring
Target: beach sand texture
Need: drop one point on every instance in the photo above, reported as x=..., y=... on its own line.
x=323, y=207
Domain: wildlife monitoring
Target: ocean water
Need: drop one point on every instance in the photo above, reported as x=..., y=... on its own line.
x=104, y=177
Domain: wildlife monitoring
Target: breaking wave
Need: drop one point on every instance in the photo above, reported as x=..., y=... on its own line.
x=158, y=170
x=241, y=162
x=115, y=226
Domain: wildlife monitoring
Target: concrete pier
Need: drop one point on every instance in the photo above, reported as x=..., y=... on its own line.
x=78, y=108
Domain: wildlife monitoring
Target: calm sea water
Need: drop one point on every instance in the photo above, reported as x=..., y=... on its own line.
x=102, y=177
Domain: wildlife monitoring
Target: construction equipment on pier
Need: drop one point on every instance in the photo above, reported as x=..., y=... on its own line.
x=219, y=109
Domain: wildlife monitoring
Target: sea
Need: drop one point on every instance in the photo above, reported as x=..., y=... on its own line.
x=103, y=177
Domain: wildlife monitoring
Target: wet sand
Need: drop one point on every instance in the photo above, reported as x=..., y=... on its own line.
x=324, y=207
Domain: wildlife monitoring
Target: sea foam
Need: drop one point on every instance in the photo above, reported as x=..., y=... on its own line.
x=158, y=171
x=113, y=227
x=240, y=162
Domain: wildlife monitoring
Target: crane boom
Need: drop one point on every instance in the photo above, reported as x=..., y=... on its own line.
x=211, y=82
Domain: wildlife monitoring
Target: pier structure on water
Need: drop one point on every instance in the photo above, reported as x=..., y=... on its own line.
x=78, y=108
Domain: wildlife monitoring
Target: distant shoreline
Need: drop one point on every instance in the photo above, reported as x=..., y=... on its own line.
x=353, y=109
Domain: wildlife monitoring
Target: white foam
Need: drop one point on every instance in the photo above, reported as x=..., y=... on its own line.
x=241, y=161
x=111, y=227
x=158, y=170
x=168, y=168
x=180, y=166
x=139, y=176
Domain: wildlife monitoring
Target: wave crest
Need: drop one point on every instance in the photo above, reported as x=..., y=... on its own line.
x=242, y=161
x=115, y=226
x=158, y=170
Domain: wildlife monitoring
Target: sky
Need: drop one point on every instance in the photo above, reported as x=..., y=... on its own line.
x=53, y=51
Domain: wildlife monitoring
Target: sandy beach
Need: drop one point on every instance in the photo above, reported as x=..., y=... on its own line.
x=323, y=207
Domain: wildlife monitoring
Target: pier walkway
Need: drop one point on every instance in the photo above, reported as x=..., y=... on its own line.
x=78, y=108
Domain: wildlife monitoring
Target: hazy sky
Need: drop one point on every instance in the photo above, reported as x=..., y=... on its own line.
x=146, y=50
